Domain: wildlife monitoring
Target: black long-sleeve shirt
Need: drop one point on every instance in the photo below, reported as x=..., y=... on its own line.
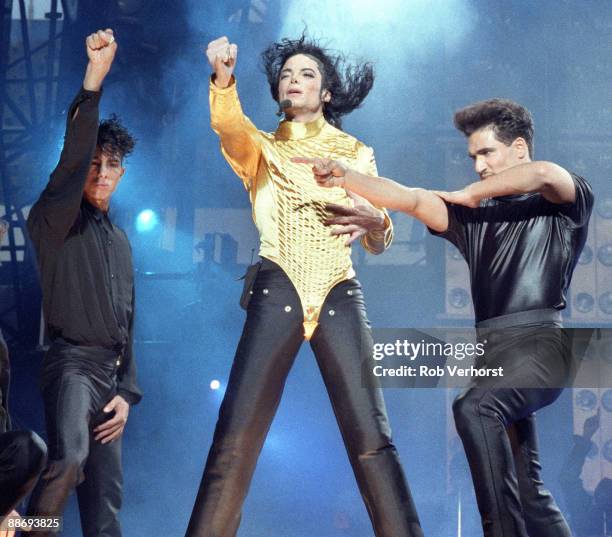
x=84, y=260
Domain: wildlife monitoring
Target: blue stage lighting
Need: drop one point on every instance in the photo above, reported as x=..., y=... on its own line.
x=408, y=28
x=215, y=384
x=146, y=221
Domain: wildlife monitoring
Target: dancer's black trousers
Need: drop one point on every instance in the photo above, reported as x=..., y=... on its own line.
x=77, y=382
x=270, y=340
x=496, y=422
x=22, y=457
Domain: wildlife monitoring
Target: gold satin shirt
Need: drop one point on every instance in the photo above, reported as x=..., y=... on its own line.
x=288, y=205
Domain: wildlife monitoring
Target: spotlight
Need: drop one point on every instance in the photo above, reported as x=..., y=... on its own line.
x=146, y=220
x=215, y=384
x=605, y=303
x=584, y=302
x=458, y=298
x=604, y=254
x=586, y=400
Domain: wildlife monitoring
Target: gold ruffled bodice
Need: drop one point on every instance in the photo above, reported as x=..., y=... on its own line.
x=288, y=205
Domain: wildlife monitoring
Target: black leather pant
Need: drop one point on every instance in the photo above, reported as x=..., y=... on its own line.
x=22, y=457
x=77, y=383
x=496, y=422
x=271, y=338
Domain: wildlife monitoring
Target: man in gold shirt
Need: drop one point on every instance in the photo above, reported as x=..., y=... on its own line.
x=304, y=287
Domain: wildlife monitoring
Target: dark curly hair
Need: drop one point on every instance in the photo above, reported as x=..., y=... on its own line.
x=509, y=120
x=348, y=84
x=114, y=138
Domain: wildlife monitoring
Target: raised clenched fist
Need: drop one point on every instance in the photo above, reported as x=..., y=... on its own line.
x=222, y=56
x=101, y=48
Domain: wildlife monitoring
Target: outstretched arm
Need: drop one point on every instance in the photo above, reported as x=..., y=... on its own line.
x=552, y=181
x=422, y=204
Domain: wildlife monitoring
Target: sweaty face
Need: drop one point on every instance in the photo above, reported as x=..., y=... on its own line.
x=491, y=155
x=105, y=171
x=300, y=82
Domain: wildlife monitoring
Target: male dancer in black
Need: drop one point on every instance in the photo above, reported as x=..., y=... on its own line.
x=521, y=230
x=88, y=375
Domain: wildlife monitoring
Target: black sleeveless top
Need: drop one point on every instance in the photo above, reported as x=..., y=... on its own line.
x=521, y=250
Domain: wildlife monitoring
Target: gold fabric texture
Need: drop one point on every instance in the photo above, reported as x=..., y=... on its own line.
x=288, y=205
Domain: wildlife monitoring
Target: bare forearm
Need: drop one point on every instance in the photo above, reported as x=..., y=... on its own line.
x=222, y=81
x=425, y=205
x=381, y=192
x=422, y=204
x=94, y=77
x=549, y=179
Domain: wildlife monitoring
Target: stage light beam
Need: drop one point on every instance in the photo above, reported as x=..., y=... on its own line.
x=215, y=384
x=146, y=220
